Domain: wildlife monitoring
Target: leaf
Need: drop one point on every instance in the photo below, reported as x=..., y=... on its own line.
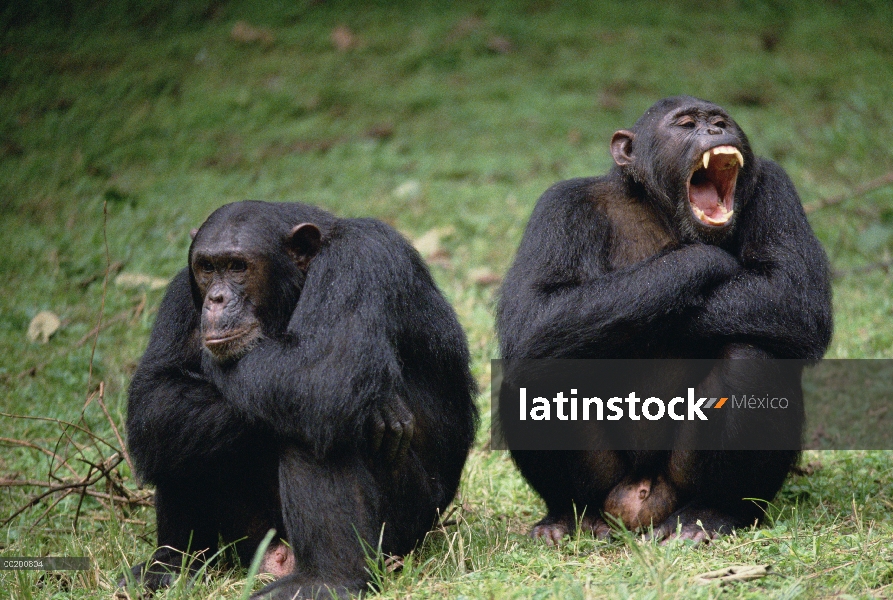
x=500, y=45
x=343, y=38
x=43, y=325
x=484, y=276
x=245, y=33
x=733, y=573
x=428, y=244
x=408, y=190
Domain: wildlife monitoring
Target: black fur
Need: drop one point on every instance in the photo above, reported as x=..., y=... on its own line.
x=281, y=437
x=618, y=267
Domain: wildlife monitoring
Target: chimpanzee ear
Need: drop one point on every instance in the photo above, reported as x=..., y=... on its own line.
x=193, y=233
x=622, y=147
x=304, y=242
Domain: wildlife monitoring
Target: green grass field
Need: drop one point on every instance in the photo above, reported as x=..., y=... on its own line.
x=124, y=124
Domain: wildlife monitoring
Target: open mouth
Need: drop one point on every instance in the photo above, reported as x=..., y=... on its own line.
x=711, y=187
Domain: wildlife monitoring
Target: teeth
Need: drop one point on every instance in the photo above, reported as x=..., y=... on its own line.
x=726, y=215
x=722, y=150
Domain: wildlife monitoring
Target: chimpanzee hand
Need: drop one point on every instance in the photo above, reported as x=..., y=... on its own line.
x=391, y=427
x=710, y=264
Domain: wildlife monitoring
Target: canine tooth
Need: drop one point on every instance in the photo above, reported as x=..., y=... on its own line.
x=729, y=150
x=706, y=159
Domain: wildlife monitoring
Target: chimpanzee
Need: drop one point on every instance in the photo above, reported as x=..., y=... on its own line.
x=304, y=374
x=690, y=247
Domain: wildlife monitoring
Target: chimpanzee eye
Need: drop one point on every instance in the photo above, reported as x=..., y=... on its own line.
x=205, y=266
x=687, y=122
x=238, y=265
x=720, y=123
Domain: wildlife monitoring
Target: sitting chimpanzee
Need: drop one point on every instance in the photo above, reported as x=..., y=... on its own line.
x=690, y=247
x=304, y=374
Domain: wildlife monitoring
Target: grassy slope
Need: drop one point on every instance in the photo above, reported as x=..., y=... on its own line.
x=158, y=112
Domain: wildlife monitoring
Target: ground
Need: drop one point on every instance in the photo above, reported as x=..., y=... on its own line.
x=123, y=125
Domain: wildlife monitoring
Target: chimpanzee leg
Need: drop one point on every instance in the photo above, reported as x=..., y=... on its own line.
x=573, y=484
x=724, y=482
x=248, y=505
x=547, y=473
x=334, y=511
x=184, y=525
x=233, y=501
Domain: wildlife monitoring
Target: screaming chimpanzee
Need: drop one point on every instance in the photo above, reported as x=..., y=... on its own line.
x=690, y=247
x=304, y=374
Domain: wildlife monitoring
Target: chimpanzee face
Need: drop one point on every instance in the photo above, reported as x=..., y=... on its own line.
x=688, y=155
x=247, y=278
x=231, y=286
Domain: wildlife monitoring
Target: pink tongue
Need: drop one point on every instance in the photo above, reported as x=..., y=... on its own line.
x=704, y=196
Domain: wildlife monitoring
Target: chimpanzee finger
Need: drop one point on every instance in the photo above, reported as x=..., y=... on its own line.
x=392, y=438
x=378, y=427
x=551, y=534
x=663, y=531
x=408, y=430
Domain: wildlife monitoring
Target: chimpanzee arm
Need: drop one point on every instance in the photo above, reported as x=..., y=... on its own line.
x=561, y=298
x=781, y=301
x=176, y=419
x=339, y=361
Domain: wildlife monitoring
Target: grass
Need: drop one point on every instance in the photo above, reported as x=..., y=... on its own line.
x=123, y=125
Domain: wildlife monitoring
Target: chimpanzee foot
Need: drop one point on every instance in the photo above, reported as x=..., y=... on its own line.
x=293, y=587
x=163, y=569
x=552, y=529
x=597, y=527
x=698, y=525
x=151, y=577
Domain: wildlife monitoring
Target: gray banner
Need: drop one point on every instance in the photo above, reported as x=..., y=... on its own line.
x=45, y=563
x=692, y=404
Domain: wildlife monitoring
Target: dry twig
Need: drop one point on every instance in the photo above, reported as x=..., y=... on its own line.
x=106, y=470
x=882, y=181
x=884, y=265
x=78, y=446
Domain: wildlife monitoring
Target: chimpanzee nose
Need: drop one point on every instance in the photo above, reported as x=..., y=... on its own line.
x=714, y=130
